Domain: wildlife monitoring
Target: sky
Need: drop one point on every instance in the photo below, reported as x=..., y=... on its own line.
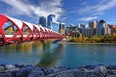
x=66, y=11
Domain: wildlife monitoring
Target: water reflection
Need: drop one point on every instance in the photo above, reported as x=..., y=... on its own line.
x=50, y=56
x=21, y=48
x=37, y=53
x=47, y=54
x=25, y=53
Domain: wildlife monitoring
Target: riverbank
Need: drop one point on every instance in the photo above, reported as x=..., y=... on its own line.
x=66, y=42
x=34, y=71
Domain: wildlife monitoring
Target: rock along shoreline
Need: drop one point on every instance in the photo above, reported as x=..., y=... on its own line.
x=15, y=70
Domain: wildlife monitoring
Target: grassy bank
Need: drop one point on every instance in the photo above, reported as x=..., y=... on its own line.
x=108, y=38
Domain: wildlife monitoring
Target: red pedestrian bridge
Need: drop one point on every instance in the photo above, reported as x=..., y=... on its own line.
x=16, y=31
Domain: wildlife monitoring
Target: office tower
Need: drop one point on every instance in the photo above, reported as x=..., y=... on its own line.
x=55, y=27
x=92, y=24
x=89, y=32
x=50, y=20
x=42, y=21
x=78, y=25
x=62, y=28
x=102, y=28
x=82, y=26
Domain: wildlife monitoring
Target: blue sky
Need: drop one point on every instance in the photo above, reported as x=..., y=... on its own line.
x=67, y=11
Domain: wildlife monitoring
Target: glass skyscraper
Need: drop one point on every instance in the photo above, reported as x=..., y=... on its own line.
x=55, y=27
x=102, y=28
x=50, y=20
x=42, y=21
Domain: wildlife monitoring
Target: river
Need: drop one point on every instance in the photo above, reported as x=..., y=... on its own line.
x=69, y=55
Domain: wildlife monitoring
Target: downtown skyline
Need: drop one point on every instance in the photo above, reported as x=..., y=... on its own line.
x=69, y=12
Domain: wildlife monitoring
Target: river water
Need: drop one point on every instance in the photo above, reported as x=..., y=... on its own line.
x=69, y=55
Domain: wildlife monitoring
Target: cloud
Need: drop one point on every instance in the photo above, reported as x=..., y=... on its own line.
x=95, y=10
x=56, y=23
x=44, y=8
x=88, y=18
x=100, y=13
x=18, y=6
x=62, y=19
x=100, y=7
x=84, y=3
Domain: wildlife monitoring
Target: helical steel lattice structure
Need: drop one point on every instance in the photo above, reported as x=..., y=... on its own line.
x=16, y=31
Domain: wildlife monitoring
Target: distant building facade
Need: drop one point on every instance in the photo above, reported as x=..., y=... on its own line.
x=78, y=25
x=50, y=20
x=72, y=31
x=92, y=24
x=113, y=28
x=42, y=21
x=89, y=32
x=55, y=27
x=94, y=28
x=62, y=28
x=82, y=26
x=102, y=28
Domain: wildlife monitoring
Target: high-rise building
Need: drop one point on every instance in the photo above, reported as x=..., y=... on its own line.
x=50, y=20
x=102, y=28
x=82, y=26
x=55, y=27
x=89, y=32
x=78, y=25
x=92, y=24
x=42, y=21
x=62, y=28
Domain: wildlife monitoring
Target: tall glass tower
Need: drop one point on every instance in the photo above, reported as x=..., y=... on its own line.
x=50, y=20
x=42, y=21
x=55, y=27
